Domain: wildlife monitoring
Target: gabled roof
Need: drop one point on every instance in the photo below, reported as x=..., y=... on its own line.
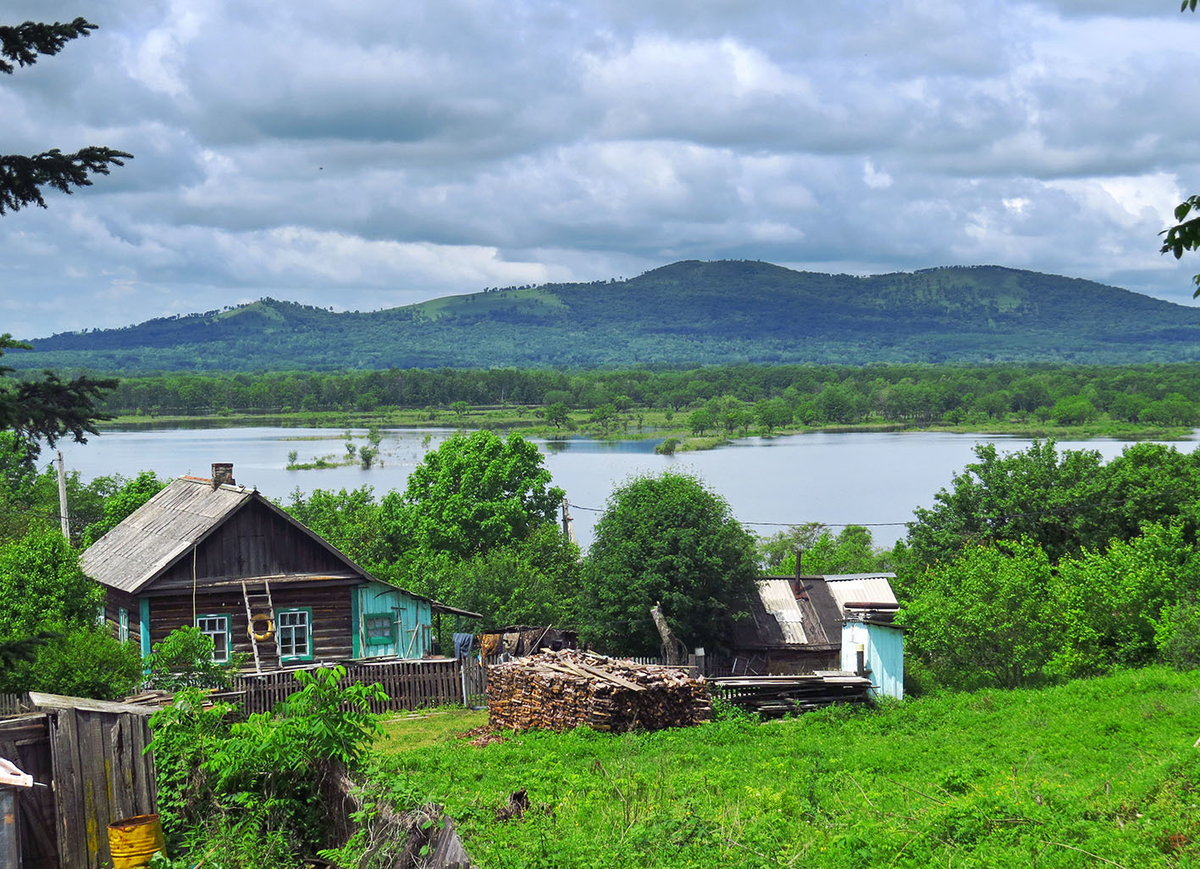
x=166, y=527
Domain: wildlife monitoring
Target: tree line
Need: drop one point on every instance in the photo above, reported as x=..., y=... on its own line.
x=1157, y=395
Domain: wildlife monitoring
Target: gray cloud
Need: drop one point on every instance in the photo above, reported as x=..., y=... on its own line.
x=384, y=153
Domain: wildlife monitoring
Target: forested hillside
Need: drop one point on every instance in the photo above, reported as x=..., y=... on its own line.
x=686, y=313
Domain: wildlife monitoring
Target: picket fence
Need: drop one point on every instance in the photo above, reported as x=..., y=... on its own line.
x=409, y=685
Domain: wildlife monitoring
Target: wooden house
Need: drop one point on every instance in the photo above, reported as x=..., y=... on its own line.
x=804, y=624
x=210, y=553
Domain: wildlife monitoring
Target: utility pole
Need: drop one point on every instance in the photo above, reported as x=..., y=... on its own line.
x=62, y=497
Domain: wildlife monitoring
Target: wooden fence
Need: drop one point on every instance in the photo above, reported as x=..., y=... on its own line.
x=408, y=684
x=90, y=759
x=10, y=704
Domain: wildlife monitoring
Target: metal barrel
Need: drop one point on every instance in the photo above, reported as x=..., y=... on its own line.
x=133, y=841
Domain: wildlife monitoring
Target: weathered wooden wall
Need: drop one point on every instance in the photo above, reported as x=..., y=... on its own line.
x=92, y=754
x=255, y=541
x=25, y=740
x=331, y=616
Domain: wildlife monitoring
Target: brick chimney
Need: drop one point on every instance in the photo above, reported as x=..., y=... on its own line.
x=222, y=473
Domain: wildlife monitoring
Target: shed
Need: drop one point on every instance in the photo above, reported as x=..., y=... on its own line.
x=210, y=553
x=796, y=624
x=89, y=760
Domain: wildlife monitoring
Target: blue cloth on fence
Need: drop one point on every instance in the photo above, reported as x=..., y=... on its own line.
x=463, y=644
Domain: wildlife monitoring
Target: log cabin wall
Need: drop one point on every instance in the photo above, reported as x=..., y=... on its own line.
x=329, y=602
x=255, y=541
x=116, y=600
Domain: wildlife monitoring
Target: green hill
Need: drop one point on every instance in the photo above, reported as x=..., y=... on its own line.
x=686, y=313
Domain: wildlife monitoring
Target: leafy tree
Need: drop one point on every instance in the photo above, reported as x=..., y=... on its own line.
x=476, y=492
x=23, y=177
x=532, y=581
x=1035, y=493
x=1109, y=603
x=42, y=586
x=982, y=619
x=557, y=414
x=672, y=541
x=773, y=413
x=851, y=550
x=701, y=420
x=604, y=415
x=350, y=520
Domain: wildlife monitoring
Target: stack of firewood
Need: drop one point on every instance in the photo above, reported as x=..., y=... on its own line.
x=561, y=690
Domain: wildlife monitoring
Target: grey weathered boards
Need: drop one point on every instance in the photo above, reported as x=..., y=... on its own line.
x=92, y=754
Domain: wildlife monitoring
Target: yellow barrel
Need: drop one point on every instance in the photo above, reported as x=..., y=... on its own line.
x=133, y=841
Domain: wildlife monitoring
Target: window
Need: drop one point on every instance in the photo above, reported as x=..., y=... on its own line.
x=216, y=628
x=101, y=616
x=293, y=629
x=380, y=630
x=123, y=625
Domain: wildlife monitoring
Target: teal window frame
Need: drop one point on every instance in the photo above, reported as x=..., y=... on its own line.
x=379, y=641
x=122, y=625
x=228, y=635
x=280, y=627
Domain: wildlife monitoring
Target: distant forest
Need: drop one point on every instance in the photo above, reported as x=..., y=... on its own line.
x=1166, y=395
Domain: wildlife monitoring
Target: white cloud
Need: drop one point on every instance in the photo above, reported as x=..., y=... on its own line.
x=377, y=153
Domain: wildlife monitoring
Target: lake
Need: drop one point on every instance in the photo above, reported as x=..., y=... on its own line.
x=864, y=478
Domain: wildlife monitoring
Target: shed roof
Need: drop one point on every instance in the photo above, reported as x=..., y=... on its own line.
x=849, y=588
x=808, y=611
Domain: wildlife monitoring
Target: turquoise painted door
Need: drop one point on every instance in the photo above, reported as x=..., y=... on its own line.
x=391, y=623
x=377, y=629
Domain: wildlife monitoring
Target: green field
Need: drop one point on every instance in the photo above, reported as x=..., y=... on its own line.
x=1093, y=773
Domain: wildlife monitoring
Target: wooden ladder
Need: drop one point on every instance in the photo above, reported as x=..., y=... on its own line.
x=256, y=603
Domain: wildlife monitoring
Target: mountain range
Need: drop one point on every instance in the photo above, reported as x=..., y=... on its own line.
x=687, y=313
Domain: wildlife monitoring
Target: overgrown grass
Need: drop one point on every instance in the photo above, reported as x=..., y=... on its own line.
x=1093, y=773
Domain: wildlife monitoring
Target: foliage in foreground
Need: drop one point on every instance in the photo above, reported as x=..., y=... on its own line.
x=261, y=789
x=1096, y=772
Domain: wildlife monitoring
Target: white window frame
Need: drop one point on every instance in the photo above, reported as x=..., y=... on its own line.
x=122, y=625
x=215, y=630
x=286, y=623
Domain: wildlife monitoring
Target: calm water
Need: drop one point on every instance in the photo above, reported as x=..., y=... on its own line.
x=873, y=479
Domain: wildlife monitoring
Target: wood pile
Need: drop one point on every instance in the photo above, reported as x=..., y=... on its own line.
x=561, y=690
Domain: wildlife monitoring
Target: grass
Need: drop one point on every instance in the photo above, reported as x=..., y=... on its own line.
x=1094, y=773
x=420, y=730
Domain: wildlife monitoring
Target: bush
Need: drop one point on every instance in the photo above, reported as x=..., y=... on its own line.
x=184, y=659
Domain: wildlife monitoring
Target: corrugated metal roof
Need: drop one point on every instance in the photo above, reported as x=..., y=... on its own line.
x=780, y=601
x=861, y=588
x=159, y=531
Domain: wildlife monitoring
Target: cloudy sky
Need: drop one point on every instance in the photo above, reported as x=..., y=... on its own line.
x=369, y=154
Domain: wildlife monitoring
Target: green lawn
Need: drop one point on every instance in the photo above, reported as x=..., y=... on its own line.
x=1098, y=773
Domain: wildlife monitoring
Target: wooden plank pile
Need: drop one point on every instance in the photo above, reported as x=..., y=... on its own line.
x=774, y=696
x=561, y=690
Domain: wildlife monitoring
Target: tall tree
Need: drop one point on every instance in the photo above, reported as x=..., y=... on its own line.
x=476, y=492
x=22, y=177
x=666, y=540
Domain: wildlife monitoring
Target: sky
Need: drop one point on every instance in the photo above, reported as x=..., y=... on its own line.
x=364, y=155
